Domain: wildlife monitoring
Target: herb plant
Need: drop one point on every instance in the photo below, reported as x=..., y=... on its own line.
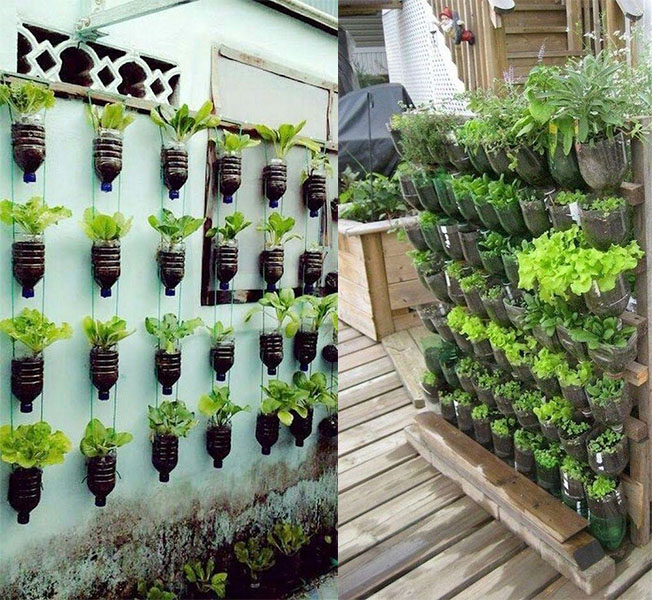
x=606, y=390
x=503, y=427
x=112, y=116
x=287, y=538
x=282, y=399
x=282, y=303
x=527, y=441
x=601, y=487
x=575, y=469
x=373, y=198
x=173, y=229
x=105, y=334
x=549, y=458
x=105, y=228
x=233, y=225
x=596, y=331
x=607, y=442
x=285, y=138
x=234, y=143
x=26, y=98
x=204, y=578
x=277, y=230
x=220, y=332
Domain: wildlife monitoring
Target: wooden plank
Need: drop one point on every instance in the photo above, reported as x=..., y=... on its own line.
x=344, y=335
x=367, y=390
x=409, y=363
x=399, y=268
x=402, y=553
x=636, y=374
x=638, y=321
x=349, y=245
x=353, y=228
x=373, y=430
x=361, y=357
x=362, y=321
x=359, y=343
x=406, y=320
x=381, y=489
x=393, y=247
x=636, y=430
x=394, y=516
x=350, y=266
x=404, y=294
x=640, y=590
x=365, y=373
x=372, y=408
x=634, y=193
x=375, y=264
x=456, y=568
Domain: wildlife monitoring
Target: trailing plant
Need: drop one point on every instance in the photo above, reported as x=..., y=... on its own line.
x=277, y=230
x=204, y=578
x=554, y=411
x=605, y=390
x=282, y=399
x=218, y=407
x=111, y=116
x=234, y=143
x=285, y=138
x=105, y=228
x=34, y=330
x=33, y=446
x=26, y=98
x=282, y=303
x=170, y=331
x=33, y=217
x=171, y=418
x=504, y=427
x=179, y=125
x=257, y=558
x=99, y=440
x=173, y=229
x=287, y=538
x=528, y=441
x=601, y=487
x=105, y=334
x=607, y=442
x=233, y=225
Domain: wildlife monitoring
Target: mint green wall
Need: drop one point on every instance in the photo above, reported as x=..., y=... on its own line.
x=184, y=35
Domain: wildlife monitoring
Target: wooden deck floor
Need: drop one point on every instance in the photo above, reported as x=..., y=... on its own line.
x=408, y=532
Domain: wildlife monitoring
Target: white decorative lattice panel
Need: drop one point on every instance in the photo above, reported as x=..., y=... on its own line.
x=418, y=59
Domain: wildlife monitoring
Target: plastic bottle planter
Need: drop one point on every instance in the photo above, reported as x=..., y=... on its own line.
x=479, y=160
x=531, y=167
x=612, y=359
x=168, y=369
x=548, y=385
x=466, y=206
x=275, y=181
x=524, y=462
x=474, y=301
x=548, y=479
x=301, y=427
x=450, y=241
x=442, y=328
x=230, y=166
x=485, y=395
x=482, y=432
x=572, y=494
x=174, y=160
x=310, y=269
x=604, y=229
x=28, y=260
x=305, y=348
x=576, y=395
x=527, y=419
x=107, y=157
x=564, y=169
x=608, y=518
x=271, y=266
x=165, y=455
x=271, y=350
x=328, y=426
x=28, y=143
x=499, y=162
x=222, y=357
x=27, y=381
x=575, y=446
x=330, y=283
x=329, y=353
x=448, y=413
x=612, y=463
x=510, y=263
x=549, y=430
x=171, y=266
x=535, y=216
x=504, y=405
x=564, y=216
x=469, y=242
x=503, y=446
x=226, y=263
x=104, y=370
x=267, y=428
x=511, y=219
x=25, y=491
x=218, y=443
x=575, y=349
x=409, y=192
x=495, y=308
x=436, y=283
x=463, y=414
x=603, y=164
x=515, y=313
x=314, y=193
x=501, y=358
x=458, y=157
x=428, y=197
x=334, y=207
x=614, y=411
x=105, y=258
x=100, y=479
x=611, y=303
x=415, y=236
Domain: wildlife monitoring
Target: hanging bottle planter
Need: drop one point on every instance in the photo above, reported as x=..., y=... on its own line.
x=28, y=249
x=99, y=446
x=607, y=511
x=104, y=337
x=35, y=332
x=275, y=172
x=330, y=283
x=222, y=353
x=564, y=168
x=301, y=427
x=37, y=447
x=167, y=360
x=277, y=233
x=310, y=269
x=603, y=164
x=168, y=421
x=226, y=247
x=313, y=314
x=219, y=409
x=608, y=452
x=281, y=401
x=177, y=127
x=267, y=429
x=313, y=390
x=314, y=182
x=230, y=162
x=171, y=254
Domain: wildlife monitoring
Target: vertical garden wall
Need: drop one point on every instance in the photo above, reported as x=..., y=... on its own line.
x=149, y=529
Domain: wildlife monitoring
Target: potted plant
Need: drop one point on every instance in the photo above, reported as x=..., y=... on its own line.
x=455, y=271
x=469, y=240
x=430, y=270
x=230, y=162
x=328, y=425
x=534, y=211
x=491, y=247
x=545, y=367
x=482, y=417
x=568, y=320
x=472, y=287
x=311, y=390
x=449, y=234
x=271, y=339
x=109, y=125
x=313, y=182
x=516, y=308
x=431, y=347
x=30, y=448
x=542, y=318
x=573, y=380
x=313, y=313
x=574, y=476
x=169, y=421
x=425, y=189
x=99, y=446
x=608, y=452
x=222, y=354
x=480, y=196
x=171, y=254
x=520, y=356
x=510, y=258
x=169, y=331
x=283, y=140
x=505, y=394
x=310, y=267
x=502, y=434
x=524, y=409
x=499, y=339
x=438, y=315
x=28, y=249
x=277, y=233
x=428, y=222
x=156, y=591
x=448, y=357
x=611, y=345
x=466, y=369
x=573, y=435
x=329, y=351
x=606, y=221
x=610, y=401
x=220, y=410
x=493, y=301
x=607, y=511
x=525, y=443
x=288, y=539
x=255, y=557
x=105, y=231
x=177, y=127
x=205, y=580
x=551, y=413
x=463, y=190
x=430, y=385
x=104, y=337
x=35, y=332
x=546, y=463
x=504, y=197
x=464, y=404
x=456, y=319
x=280, y=403
x=446, y=402
x=26, y=102
x=413, y=232
x=564, y=208
x=226, y=247
x=485, y=384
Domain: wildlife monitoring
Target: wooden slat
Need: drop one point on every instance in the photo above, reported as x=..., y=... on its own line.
x=344, y=335
x=634, y=193
x=409, y=363
x=380, y=448
x=361, y=357
x=401, y=553
x=408, y=293
x=365, y=372
x=639, y=589
x=367, y=390
x=361, y=320
x=636, y=374
x=375, y=407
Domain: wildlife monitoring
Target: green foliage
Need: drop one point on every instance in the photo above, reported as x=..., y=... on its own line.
x=473, y=133
x=280, y=399
x=312, y=389
x=527, y=441
x=547, y=363
x=373, y=198
x=105, y=228
x=607, y=205
x=287, y=538
x=33, y=217
x=449, y=353
x=579, y=375
x=463, y=398
x=99, y=440
x=286, y=137
x=500, y=336
x=282, y=302
x=554, y=411
x=204, y=578
x=521, y=351
x=493, y=293
x=476, y=281
x=429, y=378
x=607, y=442
x=503, y=194
x=529, y=401
x=314, y=312
x=220, y=332
x=234, y=143
x=575, y=469
x=596, y=331
x=33, y=445
x=446, y=398
x=170, y=331
x=503, y=427
x=489, y=379
x=549, y=458
x=606, y=390
x=34, y=330
x=474, y=328
x=429, y=219
x=173, y=229
x=422, y=135
x=26, y=98
x=468, y=367
x=154, y=592
x=493, y=243
x=277, y=230
x=105, y=334
x=171, y=418
x=510, y=390
x=256, y=557
x=179, y=125
x=542, y=314
x=217, y=406
x=601, y=486
x=233, y=225
x=456, y=269
x=572, y=429
x=112, y=116
x=564, y=198
x=456, y=318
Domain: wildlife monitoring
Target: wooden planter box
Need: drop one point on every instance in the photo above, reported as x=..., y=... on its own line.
x=378, y=284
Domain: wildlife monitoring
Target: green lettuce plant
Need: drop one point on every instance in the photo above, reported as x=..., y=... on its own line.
x=220, y=333
x=554, y=411
x=233, y=225
x=111, y=116
x=547, y=363
x=99, y=440
x=218, y=407
x=105, y=228
x=606, y=205
x=549, y=458
x=171, y=418
x=571, y=429
x=456, y=318
x=282, y=399
x=287, y=538
x=235, y=143
x=105, y=334
x=578, y=376
x=33, y=446
x=607, y=442
x=510, y=390
x=474, y=329
x=285, y=138
x=33, y=217
x=473, y=282
x=504, y=427
x=179, y=125
x=277, y=230
x=313, y=389
x=601, y=487
x=468, y=367
x=26, y=98
x=575, y=469
x=564, y=198
x=529, y=401
x=174, y=230
x=170, y=331
x=34, y=330
x=255, y=557
x=528, y=441
x=596, y=331
x=489, y=379
x=282, y=303
x=482, y=411
x=204, y=577
x=606, y=390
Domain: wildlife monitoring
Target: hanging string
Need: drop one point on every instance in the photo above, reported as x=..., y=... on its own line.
x=44, y=179
x=11, y=279
x=92, y=282
x=158, y=343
